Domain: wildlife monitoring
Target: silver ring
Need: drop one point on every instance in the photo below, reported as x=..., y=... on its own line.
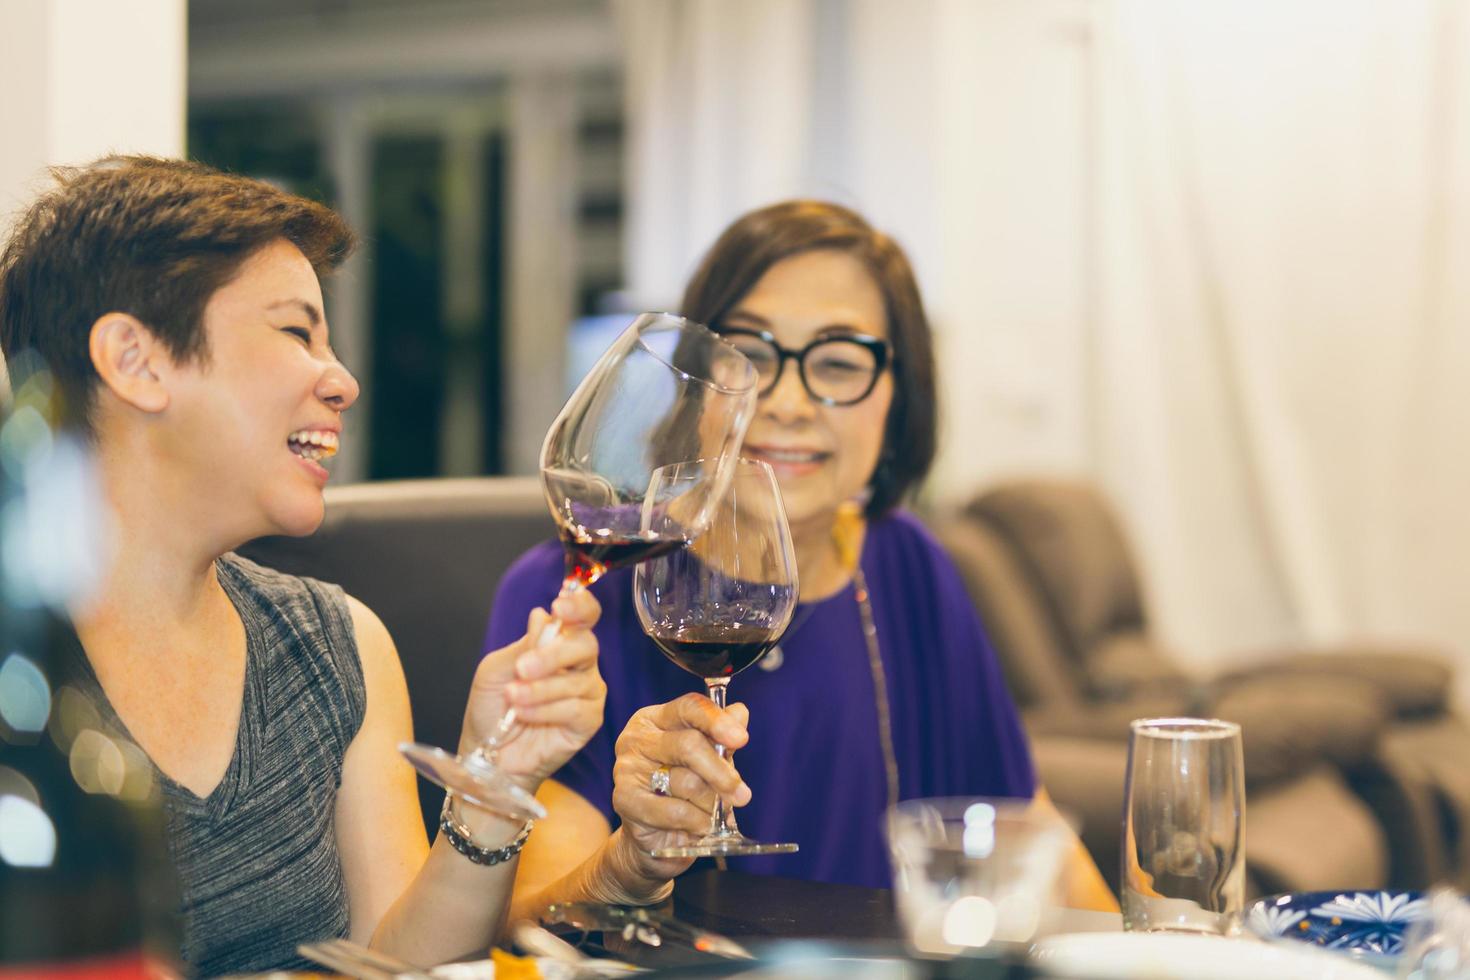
x=658, y=781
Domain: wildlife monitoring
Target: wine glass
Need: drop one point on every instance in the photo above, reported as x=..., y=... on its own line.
x=716, y=607
x=668, y=390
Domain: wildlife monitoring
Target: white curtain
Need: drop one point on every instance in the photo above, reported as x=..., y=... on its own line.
x=1284, y=319
x=735, y=105
x=1214, y=255
x=720, y=104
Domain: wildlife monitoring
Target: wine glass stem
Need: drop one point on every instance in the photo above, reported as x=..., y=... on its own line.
x=569, y=585
x=722, y=822
x=509, y=727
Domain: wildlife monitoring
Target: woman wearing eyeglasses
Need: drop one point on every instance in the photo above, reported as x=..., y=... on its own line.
x=883, y=687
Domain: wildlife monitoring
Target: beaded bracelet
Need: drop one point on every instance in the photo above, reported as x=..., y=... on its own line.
x=461, y=839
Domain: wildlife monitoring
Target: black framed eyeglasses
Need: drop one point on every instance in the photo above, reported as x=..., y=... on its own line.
x=836, y=370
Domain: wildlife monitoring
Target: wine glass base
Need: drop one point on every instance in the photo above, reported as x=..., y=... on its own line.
x=733, y=846
x=474, y=781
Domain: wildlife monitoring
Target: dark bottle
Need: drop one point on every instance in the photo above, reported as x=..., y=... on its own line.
x=85, y=885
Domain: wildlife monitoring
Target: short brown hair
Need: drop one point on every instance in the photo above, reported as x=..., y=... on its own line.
x=760, y=239
x=150, y=237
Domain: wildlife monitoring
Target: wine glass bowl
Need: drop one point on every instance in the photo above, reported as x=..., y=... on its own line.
x=668, y=397
x=716, y=607
x=668, y=391
x=601, y=528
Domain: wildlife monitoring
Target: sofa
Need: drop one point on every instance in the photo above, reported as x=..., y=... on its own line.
x=1358, y=772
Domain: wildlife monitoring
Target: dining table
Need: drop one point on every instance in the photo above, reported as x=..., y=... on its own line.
x=795, y=927
x=772, y=927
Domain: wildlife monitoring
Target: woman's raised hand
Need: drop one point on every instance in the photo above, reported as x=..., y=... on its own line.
x=555, y=689
x=679, y=737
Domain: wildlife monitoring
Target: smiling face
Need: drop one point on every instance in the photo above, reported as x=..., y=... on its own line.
x=258, y=414
x=822, y=455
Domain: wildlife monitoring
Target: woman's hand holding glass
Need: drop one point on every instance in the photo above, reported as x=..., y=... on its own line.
x=668, y=391
x=555, y=689
x=716, y=607
x=679, y=736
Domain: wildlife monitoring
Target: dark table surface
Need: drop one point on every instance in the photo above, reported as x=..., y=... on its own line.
x=750, y=906
x=795, y=928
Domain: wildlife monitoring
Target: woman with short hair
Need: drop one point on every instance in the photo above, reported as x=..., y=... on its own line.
x=178, y=311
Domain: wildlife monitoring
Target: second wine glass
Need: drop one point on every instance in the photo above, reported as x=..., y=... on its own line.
x=716, y=607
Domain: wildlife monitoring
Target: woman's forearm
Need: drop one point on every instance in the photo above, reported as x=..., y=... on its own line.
x=453, y=908
x=610, y=875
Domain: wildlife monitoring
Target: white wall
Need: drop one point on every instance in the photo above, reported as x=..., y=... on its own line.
x=1011, y=294
x=82, y=78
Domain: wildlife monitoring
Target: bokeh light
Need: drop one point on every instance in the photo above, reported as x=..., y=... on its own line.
x=72, y=714
x=27, y=836
x=139, y=785
x=97, y=764
x=979, y=836
x=26, y=436
x=970, y=921
x=25, y=697
x=14, y=783
x=53, y=536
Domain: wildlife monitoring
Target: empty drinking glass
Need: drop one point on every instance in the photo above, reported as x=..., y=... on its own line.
x=970, y=871
x=1183, y=823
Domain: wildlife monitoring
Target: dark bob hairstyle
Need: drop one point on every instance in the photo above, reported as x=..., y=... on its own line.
x=763, y=238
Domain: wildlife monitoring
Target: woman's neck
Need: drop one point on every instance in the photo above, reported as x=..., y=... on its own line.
x=160, y=567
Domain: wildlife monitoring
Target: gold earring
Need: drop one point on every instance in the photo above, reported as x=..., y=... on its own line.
x=847, y=532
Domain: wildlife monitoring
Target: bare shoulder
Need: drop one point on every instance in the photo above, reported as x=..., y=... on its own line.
x=374, y=646
x=366, y=622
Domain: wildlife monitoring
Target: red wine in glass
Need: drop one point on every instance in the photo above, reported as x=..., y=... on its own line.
x=716, y=651
x=591, y=556
x=717, y=606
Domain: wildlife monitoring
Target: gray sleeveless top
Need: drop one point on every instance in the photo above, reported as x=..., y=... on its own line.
x=257, y=860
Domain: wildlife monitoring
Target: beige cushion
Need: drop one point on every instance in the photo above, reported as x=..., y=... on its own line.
x=1399, y=787
x=1411, y=680
x=1072, y=546
x=1106, y=719
x=1287, y=728
x=1130, y=661
x=1313, y=834
x=1434, y=757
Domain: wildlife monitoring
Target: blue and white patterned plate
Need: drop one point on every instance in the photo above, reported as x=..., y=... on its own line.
x=1368, y=925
